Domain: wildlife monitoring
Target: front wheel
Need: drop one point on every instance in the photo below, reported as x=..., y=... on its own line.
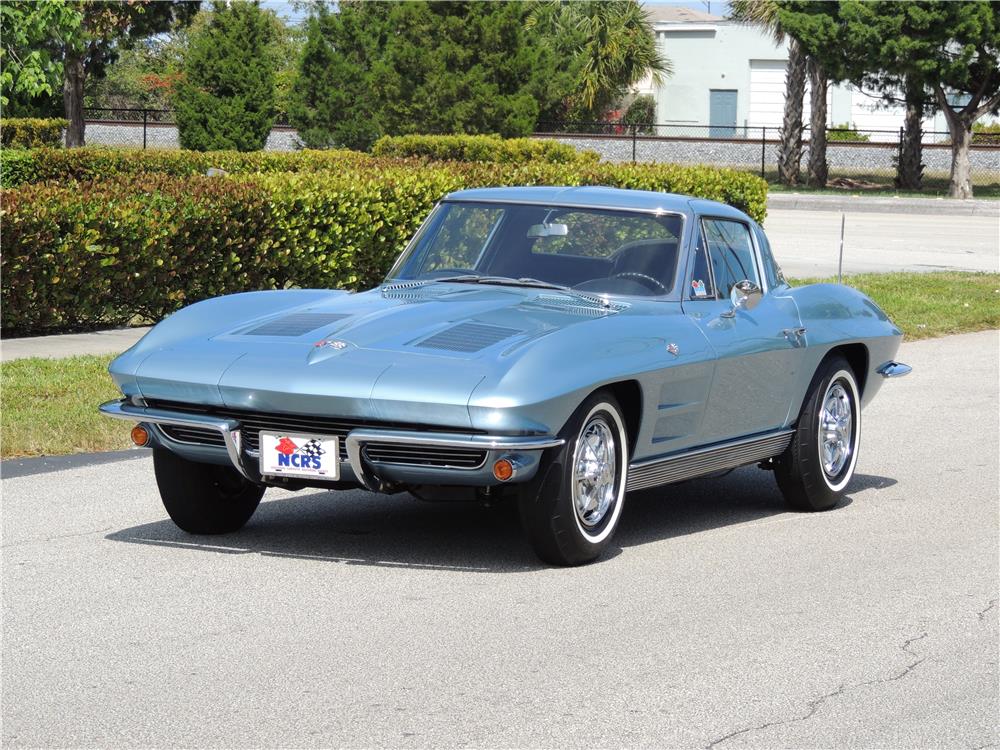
x=204, y=498
x=813, y=473
x=570, y=510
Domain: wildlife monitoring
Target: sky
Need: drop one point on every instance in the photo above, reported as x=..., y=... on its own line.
x=286, y=9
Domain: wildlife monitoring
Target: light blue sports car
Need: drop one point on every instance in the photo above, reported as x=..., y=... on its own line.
x=550, y=347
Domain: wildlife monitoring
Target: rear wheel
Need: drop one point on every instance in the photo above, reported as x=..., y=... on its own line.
x=813, y=473
x=204, y=498
x=570, y=510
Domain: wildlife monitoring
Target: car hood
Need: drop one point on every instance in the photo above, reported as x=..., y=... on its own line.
x=385, y=354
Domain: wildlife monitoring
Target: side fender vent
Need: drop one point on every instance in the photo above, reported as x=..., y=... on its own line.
x=468, y=337
x=295, y=324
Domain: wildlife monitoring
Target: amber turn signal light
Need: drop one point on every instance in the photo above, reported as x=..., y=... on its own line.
x=503, y=469
x=140, y=435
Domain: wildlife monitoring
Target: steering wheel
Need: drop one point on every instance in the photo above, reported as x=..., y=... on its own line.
x=642, y=278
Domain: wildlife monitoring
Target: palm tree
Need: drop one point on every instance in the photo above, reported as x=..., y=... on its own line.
x=613, y=43
x=764, y=13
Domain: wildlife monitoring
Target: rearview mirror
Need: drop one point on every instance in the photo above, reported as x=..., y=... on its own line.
x=745, y=295
x=547, y=230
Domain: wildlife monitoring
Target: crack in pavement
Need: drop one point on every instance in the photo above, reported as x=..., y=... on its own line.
x=815, y=703
x=982, y=613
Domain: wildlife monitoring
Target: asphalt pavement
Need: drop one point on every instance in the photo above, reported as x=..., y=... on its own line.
x=719, y=619
x=806, y=241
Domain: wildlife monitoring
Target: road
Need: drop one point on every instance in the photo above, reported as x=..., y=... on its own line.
x=718, y=620
x=806, y=243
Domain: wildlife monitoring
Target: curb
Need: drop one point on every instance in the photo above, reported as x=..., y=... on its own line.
x=12, y=468
x=856, y=203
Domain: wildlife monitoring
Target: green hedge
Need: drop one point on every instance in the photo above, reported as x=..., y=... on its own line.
x=37, y=165
x=103, y=252
x=491, y=148
x=31, y=132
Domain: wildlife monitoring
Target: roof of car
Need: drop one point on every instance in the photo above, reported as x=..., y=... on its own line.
x=595, y=197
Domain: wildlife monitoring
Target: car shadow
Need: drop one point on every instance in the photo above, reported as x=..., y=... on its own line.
x=360, y=528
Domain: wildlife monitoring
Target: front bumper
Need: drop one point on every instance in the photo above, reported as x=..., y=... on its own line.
x=523, y=451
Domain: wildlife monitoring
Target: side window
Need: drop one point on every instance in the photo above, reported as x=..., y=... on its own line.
x=701, y=286
x=771, y=270
x=730, y=251
x=461, y=238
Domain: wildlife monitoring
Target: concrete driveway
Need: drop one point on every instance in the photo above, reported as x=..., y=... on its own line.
x=718, y=620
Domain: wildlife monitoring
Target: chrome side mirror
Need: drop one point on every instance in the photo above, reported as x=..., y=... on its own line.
x=745, y=295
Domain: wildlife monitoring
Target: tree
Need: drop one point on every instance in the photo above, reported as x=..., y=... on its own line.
x=950, y=49
x=105, y=27
x=32, y=35
x=226, y=98
x=458, y=67
x=332, y=102
x=764, y=13
x=609, y=46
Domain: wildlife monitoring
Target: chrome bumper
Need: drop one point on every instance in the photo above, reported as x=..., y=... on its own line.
x=231, y=435
x=894, y=370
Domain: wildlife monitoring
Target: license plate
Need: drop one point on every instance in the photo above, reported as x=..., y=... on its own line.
x=296, y=455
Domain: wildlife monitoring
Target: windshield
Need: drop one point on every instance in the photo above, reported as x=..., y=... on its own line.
x=589, y=250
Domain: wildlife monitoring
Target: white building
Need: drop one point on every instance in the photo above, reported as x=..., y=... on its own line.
x=731, y=76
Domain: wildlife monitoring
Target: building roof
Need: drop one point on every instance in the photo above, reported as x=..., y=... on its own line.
x=669, y=13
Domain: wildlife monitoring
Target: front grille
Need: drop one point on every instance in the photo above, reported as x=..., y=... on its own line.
x=197, y=435
x=424, y=455
x=253, y=422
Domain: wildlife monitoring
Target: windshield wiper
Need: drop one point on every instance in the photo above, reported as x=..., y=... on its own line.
x=524, y=281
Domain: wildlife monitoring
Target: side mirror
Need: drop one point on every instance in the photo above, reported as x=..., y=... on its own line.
x=745, y=295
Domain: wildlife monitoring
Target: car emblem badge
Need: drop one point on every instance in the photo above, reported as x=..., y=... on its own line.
x=673, y=349
x=333, y=343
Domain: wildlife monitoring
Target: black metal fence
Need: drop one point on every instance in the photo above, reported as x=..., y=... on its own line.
x=859, y=156
x=137, y=127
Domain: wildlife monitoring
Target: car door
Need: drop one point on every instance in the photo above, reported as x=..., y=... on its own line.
x=758, y=351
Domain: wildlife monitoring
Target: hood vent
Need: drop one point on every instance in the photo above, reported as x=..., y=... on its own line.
x=468, y=337
x=296, y=324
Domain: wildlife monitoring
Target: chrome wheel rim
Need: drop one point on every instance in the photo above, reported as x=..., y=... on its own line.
x=836, y=426
x=594, y=471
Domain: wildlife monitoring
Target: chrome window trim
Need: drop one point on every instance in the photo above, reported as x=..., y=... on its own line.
x=761, y=277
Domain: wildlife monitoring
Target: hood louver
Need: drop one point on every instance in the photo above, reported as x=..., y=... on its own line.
x=468, y=337
x=296, y=324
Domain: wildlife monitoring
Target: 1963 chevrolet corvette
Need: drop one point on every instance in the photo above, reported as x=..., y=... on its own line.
x=551, y=347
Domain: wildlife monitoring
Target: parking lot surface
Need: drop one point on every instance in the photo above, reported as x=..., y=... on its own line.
x=719, y=619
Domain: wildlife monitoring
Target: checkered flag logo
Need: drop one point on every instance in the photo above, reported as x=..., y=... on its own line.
x=312, y=448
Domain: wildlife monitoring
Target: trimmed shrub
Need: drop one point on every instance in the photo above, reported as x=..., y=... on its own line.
x=847, y=134
x=986, y=135
x=32, y=132
x=93, y=163
x=103, y=252
x=490, y=148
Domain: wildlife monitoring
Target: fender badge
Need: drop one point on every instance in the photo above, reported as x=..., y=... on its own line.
x=333, y=343
x=672, y=348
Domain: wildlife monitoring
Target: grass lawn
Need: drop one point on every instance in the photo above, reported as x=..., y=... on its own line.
x=49, y=406
x=985, y=186
x=925, y=305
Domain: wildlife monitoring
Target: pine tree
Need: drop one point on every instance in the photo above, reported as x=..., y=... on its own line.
x=226, y=98
x=332, y=101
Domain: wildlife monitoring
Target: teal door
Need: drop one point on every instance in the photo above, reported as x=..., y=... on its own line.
x=722, y=113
